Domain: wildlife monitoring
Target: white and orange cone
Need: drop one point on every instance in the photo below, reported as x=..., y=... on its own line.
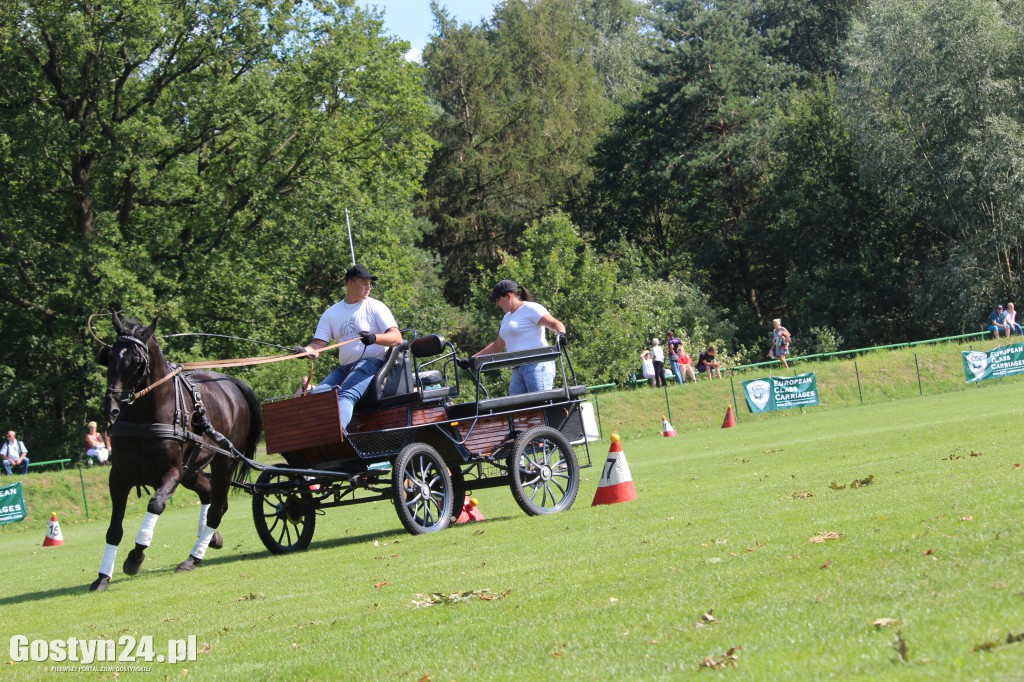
x=470, y=511
x=666, y=428
x=53, y=535
x=616, y=484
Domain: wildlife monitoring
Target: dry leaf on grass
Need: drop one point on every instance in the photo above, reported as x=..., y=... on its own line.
x=384, y=583
x=802, y=494
x=825, y=565
x=929, y=552
x=823, y=536
x=726, y=660
x=884, y=622
x=966, y=518
x=976, y=453
x=422, y=600
x=707, y=617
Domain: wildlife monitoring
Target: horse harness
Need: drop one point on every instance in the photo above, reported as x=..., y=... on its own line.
x=188, y=426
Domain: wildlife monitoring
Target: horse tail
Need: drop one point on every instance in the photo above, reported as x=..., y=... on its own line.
x=255, y=427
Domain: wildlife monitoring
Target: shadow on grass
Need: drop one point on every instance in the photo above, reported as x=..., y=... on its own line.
x=43, y=595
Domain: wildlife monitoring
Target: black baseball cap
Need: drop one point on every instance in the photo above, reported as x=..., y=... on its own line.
x=360, y=271
x=505, y=286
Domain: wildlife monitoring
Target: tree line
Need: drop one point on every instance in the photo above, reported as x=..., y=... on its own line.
x=852, y=166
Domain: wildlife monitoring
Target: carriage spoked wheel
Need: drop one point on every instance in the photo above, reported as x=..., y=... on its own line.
x=544, y=471
x=422, y=489
x=284, y=518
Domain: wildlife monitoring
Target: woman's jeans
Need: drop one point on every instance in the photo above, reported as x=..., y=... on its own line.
x=677, y=370
x=351, y=380
x=532, y=378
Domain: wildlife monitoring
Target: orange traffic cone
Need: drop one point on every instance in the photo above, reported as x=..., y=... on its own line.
x=470, y=511
x=666, y=428
x=616, y=484
x=730, y=418
x=53, y=534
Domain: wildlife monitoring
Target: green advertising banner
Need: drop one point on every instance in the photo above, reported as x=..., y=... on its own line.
x=12, y=504
x=1004, y=361
x=781, y=393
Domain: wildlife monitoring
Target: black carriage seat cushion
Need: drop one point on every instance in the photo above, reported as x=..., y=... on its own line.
x=511, y=402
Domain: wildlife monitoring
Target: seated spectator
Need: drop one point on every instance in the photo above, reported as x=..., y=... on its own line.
x=997, y=323
x=686, y=364
x=706, y=363
x=96, y=446
x=14, y=454
x=1011, y=320
x=647, y=366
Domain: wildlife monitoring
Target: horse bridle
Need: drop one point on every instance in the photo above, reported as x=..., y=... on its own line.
x=128, y=395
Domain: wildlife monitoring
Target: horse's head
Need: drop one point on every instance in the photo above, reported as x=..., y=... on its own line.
x=128, y=365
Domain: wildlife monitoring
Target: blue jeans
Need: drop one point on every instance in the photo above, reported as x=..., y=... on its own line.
x=8, y=465
x=351, y=380
x=532, y=378
x=676, y=370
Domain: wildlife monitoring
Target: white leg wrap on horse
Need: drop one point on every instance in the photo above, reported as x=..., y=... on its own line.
x=145, y=535
x=199, y=551
x=109, y=556
x=203, y=511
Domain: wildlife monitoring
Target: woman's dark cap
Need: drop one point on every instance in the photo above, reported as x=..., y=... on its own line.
x=505, y=286
x=360, y=271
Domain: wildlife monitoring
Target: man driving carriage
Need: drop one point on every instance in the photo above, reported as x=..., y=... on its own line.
x=355, y=316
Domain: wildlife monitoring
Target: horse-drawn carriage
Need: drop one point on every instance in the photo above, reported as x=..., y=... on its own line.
x=411, y=442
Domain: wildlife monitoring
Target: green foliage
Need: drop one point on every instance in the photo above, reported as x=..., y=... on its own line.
x=194, y=160
x=933, y=94
x=521, y=99
x=609, y=319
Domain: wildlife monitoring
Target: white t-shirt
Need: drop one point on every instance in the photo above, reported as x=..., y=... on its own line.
x=521, y=330
x=658, y=354
x=12, y=450
x=343, y=321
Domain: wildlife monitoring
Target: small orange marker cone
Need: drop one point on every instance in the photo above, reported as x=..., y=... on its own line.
x=730, y=418
x=53, y=534
x=666, y=428
x=470, y=511
x=616, y=484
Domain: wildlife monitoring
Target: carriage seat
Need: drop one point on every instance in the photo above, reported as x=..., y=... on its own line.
x=394, y=383
x=511, y=402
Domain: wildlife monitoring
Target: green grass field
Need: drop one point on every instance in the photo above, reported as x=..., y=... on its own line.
x=723, y=526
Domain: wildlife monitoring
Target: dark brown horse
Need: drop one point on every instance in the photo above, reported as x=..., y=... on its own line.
x=166, y=428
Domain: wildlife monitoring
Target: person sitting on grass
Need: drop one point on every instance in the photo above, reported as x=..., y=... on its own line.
x=706, y=363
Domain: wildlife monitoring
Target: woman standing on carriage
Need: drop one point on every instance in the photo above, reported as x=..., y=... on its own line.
x=522, y=328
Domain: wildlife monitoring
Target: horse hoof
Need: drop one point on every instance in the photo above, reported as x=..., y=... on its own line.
x=216, y=542
x=100, y=584
x=131, y=564
x=188, y=565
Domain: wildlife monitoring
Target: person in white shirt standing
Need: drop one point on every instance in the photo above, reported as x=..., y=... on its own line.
x=522, y=328
x=14, y=453
x=355, y=316
x=658, y=356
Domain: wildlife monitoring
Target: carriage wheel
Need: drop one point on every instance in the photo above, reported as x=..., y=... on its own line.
x=284, y=518
x=422, y=489
x=544, y=472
